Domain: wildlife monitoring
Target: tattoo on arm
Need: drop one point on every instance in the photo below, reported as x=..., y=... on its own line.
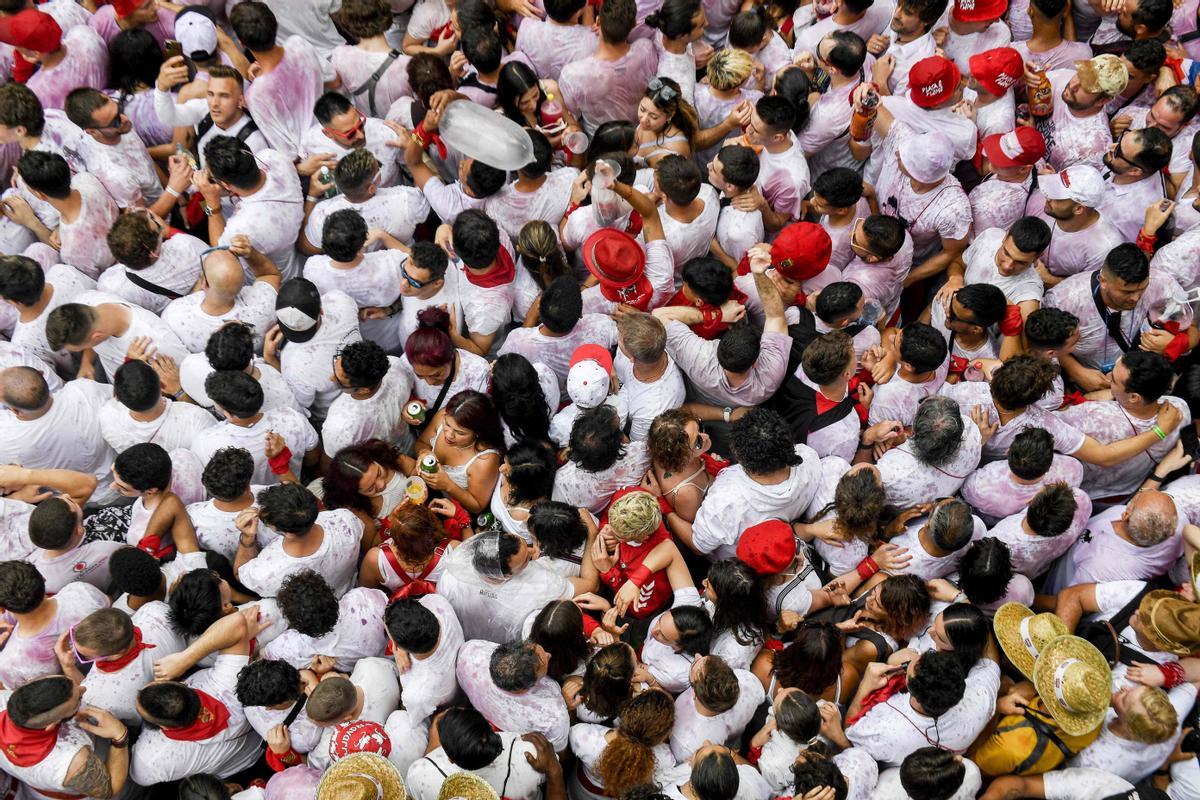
x=92, y=780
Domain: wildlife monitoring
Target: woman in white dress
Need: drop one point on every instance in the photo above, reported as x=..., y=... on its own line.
x=413, y=557
x=612, y=761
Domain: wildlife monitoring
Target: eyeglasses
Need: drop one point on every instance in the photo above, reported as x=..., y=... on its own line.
x=855, y=232
x=658, y=89
x=1116, y=152
x=75, y=649
x=354, y=129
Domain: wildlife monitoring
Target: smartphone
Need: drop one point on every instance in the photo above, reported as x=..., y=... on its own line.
x=172, y=48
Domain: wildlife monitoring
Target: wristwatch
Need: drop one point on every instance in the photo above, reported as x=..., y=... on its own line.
x=725, y=412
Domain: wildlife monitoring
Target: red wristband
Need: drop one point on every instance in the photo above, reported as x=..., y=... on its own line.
x=639, y=575
x=866, y=568
x=1173, y=674
x=1145, y=242
x=1177, y=347
x=279, y=762
x=281, y=462
x=665, y=507
x=753, y=755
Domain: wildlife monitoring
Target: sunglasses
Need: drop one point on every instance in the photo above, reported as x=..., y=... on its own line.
x=659, y=89
x=75, y=649
x=413, y=282
x=350, y=134
x=118, y=119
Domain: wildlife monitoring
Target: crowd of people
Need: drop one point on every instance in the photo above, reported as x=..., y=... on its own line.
x=586, y=399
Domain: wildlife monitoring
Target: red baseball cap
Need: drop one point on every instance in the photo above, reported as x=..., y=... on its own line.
x=1020, y=148
x=359, y=736
x=997, y=70
x=32, y=30
x=801, y=251
x=932, y=81
x=979, y=10
x=768, y=548
x=592, y=352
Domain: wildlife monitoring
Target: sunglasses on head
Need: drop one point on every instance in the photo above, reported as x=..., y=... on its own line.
x=661, y=90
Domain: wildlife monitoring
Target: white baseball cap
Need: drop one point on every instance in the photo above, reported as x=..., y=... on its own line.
x=196, y=32
x=587, y=384
x=1079, y=183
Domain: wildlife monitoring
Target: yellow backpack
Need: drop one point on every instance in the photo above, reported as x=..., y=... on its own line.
x=1028, y=744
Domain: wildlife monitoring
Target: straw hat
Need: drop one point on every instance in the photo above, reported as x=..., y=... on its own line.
x=1074, y=681
x=1170, y=622
x=466, y=786
x=1022, y=634
x=361, y=776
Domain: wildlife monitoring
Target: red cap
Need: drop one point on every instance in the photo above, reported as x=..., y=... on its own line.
x=359, y=736
x=592, y=352
x=32, y=30
x=124, y=8
x=1020, y=148
x=979, y=10
x=932, y=81
x=614, y=257
x=997, y=70
x=801, y=251
x=768, y=548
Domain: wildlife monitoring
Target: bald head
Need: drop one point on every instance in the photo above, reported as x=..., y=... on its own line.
x=223, y=273
x=24, y=389
x=1150, y=518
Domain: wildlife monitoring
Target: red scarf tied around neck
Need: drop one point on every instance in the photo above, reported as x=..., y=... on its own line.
x=24, y=747
x=212, y=719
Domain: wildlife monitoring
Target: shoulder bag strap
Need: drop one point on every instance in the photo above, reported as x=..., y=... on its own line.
x=154, y=288
x=373, y=81
x=441, y=398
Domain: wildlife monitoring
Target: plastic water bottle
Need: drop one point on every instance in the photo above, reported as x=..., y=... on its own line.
x=327, y=177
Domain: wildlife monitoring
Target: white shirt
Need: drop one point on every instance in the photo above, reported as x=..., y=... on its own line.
x=142, y=323
x=592, y=490
x=216, y=530
x=496, y=610
x=1032, y=554
x=926, y=565
x=351, y=421
x=647, y=400
x=783, y=178
x=282, y=100
x=67, y=284
x=125, y=168
x=509, y=774
x=87, y=563
x=67, y=436
x=358, y=634
x=177, y=269
x=155, y=759
x=893, y=729
x=909, y=482
x=117, y=691
x=177, y=426
x=980, y=259
x=271, y=217
x=556, y=351
x=84, y=241
x=735, y=501
x=993, y=491
x=195, y=369
x=296, y=431
x=336, y=559
x=254, y=305
x=692, y=728
x=540, y=709
x=315, y=140
x=26, y=657
x=308, y=366
x=395, y=209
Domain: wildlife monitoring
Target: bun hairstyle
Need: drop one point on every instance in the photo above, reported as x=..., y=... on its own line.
x=628, y=760
x=430, y=344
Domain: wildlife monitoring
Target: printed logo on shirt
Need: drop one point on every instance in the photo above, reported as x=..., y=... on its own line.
x=80, y=567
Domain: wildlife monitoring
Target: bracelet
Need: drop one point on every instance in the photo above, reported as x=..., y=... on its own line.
x=1155, y=478
x=178, y=394
x=867, y=567
x=171, y=190
x=120, y=742
x=1173, y=674
x=1159, y=432
x=315, y=198
x=242, y=543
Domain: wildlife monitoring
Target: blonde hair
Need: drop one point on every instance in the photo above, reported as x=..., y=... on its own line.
x=729, y=69
x=1158, y=722
x=634, y=516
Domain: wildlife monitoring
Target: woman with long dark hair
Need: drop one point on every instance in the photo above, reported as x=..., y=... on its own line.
x=368, y=479
x=636, y=753
x=558, y=629
x=540, y=259
x=520, y=96
x=679, y=23
x=522, y=392
x=734, y=595
x=526, y=478
x=812, y=662
x=466, y=439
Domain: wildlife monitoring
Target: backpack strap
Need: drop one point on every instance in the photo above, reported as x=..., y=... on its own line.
x=154, y=288
x=373, y=81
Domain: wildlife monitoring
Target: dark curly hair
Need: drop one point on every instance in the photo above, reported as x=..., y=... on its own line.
x=762, y=442
x=308, y=603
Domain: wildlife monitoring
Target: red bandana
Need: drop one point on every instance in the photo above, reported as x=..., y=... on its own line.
x=120, y=663
x=155, y=547
x=637, y=294
x=25, y=747
x=895, y=685
x=213, y=718
x=503, y=271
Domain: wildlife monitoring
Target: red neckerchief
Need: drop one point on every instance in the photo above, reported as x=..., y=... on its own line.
x=155, y=547
x=895, y=684
x=120, y=663
x=418, y=586
x=503, y=271
x=212, y=719
x=637, y=294
x=25, y=747
x=437, y=33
